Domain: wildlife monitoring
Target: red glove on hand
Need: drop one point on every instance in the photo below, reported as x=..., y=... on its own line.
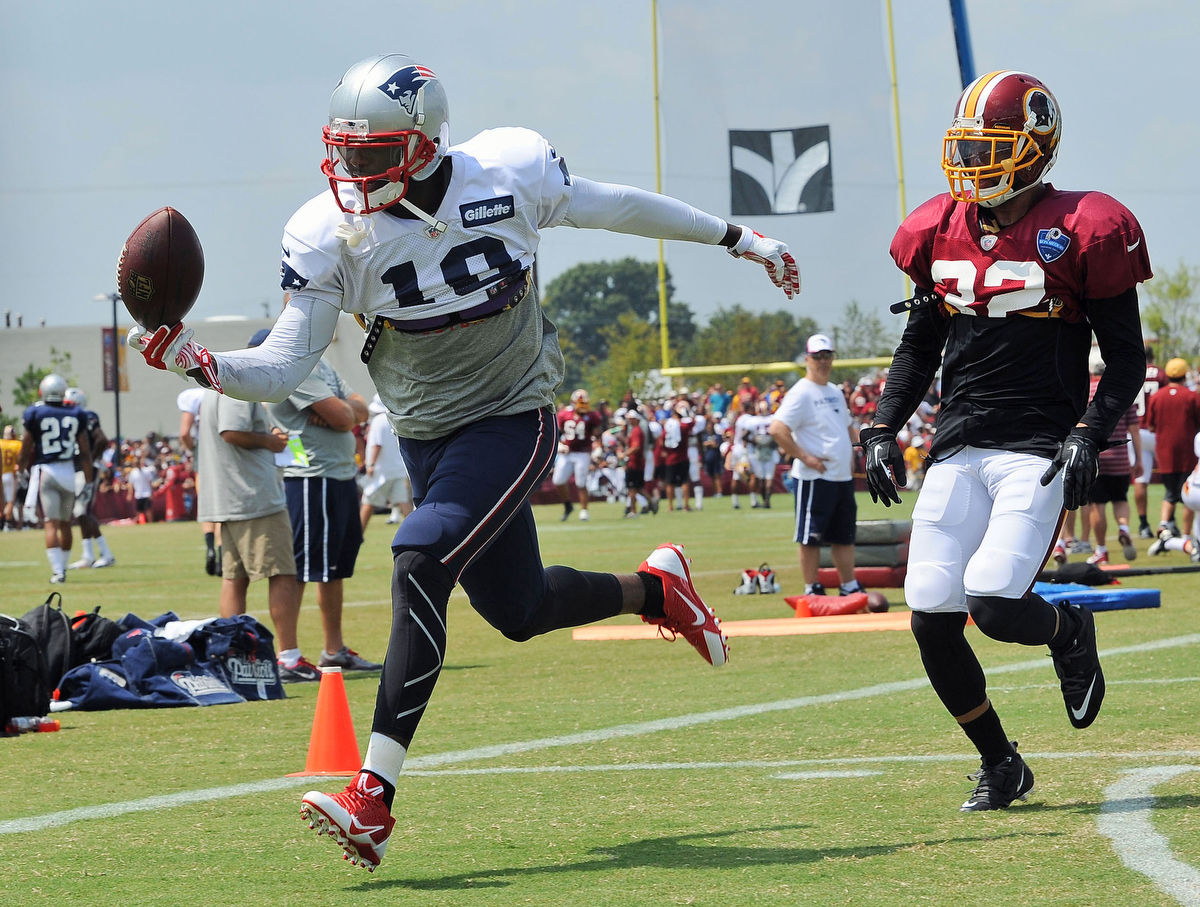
x=172, y=349
x=772, y=255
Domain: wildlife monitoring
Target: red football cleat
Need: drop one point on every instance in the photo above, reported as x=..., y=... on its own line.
x=684, y=611
x=357, y=819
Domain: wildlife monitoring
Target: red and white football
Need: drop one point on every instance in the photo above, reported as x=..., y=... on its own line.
x=161, y=269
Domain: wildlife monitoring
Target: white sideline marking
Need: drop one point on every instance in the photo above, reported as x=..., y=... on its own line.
x=1125, y=818
x=166, y=801
x=106, y=810
x=818, y=776
x=778, y=763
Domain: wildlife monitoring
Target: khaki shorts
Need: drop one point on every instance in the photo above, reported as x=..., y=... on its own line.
x=258, y=548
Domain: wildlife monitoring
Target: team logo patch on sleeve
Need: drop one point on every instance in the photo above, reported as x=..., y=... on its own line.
x=289, y=279
x=1051, y=244
x=487, y=211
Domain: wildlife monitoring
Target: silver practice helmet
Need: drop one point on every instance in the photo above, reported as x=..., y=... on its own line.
x=53, y=388
x=75, y=397
x=389, y=122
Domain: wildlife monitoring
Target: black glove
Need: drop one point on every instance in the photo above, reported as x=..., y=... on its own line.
x=885, y=464
x=1079, y=459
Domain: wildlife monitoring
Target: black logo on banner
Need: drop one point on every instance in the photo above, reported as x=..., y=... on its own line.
x=782, y=171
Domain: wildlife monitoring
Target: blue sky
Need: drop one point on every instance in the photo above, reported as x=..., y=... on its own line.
x=115, y=109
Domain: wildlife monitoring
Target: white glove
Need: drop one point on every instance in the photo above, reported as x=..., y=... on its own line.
x=772, y=255
x=172, y=349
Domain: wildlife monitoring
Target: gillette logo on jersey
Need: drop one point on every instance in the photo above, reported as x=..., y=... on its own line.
x=402, y=86
x=488, y=211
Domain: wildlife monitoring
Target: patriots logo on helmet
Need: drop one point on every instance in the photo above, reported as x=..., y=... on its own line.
x=402, y=86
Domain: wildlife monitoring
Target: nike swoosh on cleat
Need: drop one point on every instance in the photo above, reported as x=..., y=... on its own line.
x=701, y=615
x=1078, y=713
x=356, y=829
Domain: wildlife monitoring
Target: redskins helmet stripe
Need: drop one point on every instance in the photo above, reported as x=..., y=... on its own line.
x=974, y=97
x=1003, y=140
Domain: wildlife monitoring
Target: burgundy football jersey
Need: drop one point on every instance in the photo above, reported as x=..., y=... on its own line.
x=1070, y=246
x=576, y=430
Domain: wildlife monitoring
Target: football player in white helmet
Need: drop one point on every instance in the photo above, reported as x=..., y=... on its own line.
x=431, y=246
x=54, y=433
x=96, y=552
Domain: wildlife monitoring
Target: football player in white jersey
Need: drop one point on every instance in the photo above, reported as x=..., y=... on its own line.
x=431, y=246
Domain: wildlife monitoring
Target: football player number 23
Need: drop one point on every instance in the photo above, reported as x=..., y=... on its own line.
x=456, y=270
x=1023, y=283
x=58, y=435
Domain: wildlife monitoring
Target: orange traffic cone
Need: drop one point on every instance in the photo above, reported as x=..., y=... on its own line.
x=333, y=748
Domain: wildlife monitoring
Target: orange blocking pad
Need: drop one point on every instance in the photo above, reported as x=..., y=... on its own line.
x=772, y=626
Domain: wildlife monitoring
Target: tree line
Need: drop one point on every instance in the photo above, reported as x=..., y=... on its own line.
x=607, y=314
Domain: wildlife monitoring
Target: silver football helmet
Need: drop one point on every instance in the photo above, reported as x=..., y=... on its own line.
x=388, y=124
x=53, y=388
x=75, y=397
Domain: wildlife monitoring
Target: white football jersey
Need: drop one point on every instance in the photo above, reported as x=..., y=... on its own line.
x=506, y=185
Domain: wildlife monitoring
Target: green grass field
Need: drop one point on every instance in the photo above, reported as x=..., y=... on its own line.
x=816, y=769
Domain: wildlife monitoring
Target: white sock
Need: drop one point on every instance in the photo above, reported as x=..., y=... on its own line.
x=289, y=657
x=396, y=514
x=642, y=502
x=699, y=495
x=384, y=758
x=753, y=498
x=104, y=551
x=58, y=560
x=89, y=550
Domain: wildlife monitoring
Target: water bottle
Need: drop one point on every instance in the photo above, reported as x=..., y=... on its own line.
x=23, y=725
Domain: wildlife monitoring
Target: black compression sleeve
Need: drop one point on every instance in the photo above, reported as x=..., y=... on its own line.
x=915, y=362
x=1118, y=328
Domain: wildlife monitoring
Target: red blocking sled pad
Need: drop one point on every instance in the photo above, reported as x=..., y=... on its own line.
x=868, y=577
x=1103, y=598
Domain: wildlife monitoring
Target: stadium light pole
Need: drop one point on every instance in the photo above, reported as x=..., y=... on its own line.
x=114, y=298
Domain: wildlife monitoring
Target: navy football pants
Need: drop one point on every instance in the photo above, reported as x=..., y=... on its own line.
x=473, y=524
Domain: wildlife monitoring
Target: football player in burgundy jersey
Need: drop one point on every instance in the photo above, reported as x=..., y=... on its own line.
x=431, y=246
x=1013, y=277
x=578, y=427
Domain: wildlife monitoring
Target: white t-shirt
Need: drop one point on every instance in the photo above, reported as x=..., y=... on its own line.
x=388, y=461
x=820, y=423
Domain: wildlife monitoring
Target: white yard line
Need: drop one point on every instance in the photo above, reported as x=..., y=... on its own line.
x=420, y=763
x=1125, y=818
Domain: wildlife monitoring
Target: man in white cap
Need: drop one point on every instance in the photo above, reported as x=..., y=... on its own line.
x=814, y=428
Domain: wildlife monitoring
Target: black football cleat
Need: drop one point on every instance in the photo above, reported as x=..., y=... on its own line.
x=1077, y=664
x=999, y=784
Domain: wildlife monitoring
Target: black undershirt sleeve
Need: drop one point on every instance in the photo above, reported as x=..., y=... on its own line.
x=915, y=363
x=1117, y=325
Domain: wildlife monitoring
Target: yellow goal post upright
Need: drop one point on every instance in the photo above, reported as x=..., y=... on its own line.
x=765, y=367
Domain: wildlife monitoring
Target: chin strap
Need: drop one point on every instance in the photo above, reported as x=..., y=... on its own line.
x=355, y=231
x=436, y=227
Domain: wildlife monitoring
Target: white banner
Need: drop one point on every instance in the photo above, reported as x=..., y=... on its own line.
x=783, y=122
